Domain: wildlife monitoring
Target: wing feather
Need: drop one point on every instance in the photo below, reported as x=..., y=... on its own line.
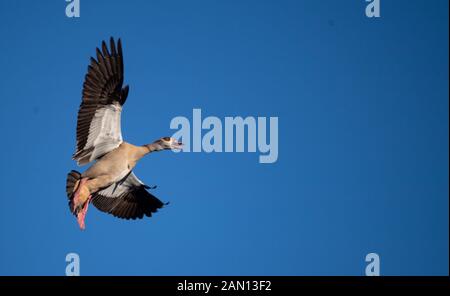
x=127, y=199
x=98, y=127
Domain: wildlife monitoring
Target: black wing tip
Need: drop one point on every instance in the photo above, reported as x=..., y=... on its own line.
x=112, y=40
x=99, y=54
x=119, y=46
x=104, y=52
x=146, y=213
x=105, y=49
x=93, y=61
x=124, y=96
x=112, y=45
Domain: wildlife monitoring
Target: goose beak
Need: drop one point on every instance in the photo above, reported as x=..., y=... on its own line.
x=177, y=146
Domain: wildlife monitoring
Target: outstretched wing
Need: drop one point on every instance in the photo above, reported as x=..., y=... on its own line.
x=127, y=199
x=98, y=127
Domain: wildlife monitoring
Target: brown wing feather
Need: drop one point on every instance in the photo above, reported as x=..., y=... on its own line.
x=102, y=87
x=128, y=199
x=131, y=205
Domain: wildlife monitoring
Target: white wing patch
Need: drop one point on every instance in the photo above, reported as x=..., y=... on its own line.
x=104, y=133
x=118, y=189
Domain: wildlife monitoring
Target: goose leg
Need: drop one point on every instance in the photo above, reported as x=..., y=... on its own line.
x=82, y=214
x=81, y=200
x=77, y=200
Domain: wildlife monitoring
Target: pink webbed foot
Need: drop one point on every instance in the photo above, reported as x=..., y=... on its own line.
x=82, y=214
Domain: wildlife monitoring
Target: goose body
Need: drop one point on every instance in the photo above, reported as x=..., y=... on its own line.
x=113, y=166
x=109, y=183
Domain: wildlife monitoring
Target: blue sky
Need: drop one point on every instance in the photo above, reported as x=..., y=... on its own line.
x=363, y=136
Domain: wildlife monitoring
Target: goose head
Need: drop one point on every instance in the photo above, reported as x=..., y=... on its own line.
x=168, y=143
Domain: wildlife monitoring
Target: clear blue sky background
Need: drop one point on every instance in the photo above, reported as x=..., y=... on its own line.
x=363, y=126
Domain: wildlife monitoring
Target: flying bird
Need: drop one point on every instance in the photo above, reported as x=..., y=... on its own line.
x=109, y=183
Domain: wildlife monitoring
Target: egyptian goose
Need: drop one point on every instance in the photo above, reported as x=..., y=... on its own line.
x=109, y=183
